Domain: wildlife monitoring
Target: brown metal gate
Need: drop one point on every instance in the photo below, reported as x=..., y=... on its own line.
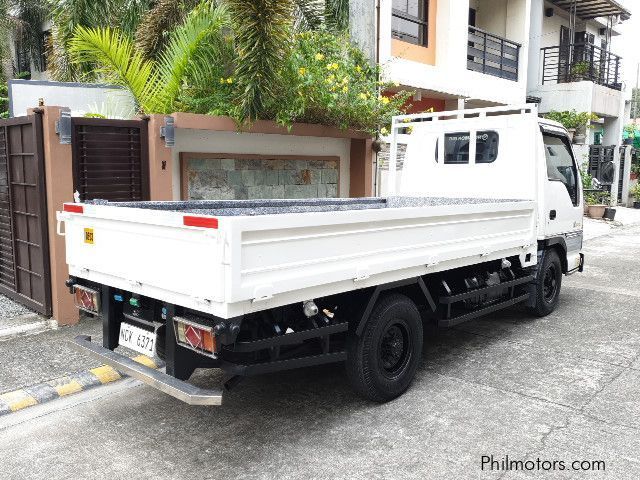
x=24, y=241
x=110, y=159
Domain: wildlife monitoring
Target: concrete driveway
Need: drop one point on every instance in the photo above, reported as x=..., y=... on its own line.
x=564, y=388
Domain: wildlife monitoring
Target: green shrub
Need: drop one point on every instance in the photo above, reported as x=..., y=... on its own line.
x=330, y=81
x=572, y=119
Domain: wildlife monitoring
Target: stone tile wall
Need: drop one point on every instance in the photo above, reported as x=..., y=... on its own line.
x=239, y=179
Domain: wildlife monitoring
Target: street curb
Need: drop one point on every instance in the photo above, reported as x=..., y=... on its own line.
x=60, y=387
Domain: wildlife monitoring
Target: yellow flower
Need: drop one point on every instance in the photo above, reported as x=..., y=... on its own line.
x=345, y=89
x=406, y=120
x=319, y=56
x=358, y=68
x=330, y=79
x=229, y=80
x=332, y=66
x=302, y=70
x=384, y=131
x=221, y=80
x=384, y=100
x=363, y=96
x=345, y=80
x=410, y=130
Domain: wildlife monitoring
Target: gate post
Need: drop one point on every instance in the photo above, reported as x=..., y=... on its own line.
x=58, y=166
x=160, y=162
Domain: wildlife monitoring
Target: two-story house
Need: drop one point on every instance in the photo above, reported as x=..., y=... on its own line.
x=449, y=52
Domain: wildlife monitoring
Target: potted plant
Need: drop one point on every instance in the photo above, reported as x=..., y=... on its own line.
x=575, y=122
x=628, y=134
x=579, y=71
x=635, y=170
x=596, y=204
x=635, y=193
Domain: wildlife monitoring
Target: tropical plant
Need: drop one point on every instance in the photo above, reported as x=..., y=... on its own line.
x=331, y=82
x=332, y=15
x=4, y=100
x=242, y=58
x=263, y=31
x=23, y=19
x=67, y=15
x=155, y=85
x=587, y=179
x=571, y=119
x=580, y=69
x=152, y=33
x=598, y=198
x=635, y=192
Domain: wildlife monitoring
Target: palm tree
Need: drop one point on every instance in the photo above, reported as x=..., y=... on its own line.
x=156, y=85
x=23, y=18
x=67, y=15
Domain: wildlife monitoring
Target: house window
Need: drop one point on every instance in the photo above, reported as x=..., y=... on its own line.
x=409, y=21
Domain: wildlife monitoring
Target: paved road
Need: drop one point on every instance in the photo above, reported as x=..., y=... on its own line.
x=561, y=388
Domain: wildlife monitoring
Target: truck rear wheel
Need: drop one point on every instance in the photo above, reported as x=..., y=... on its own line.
x=382, y=361
x=548, y=284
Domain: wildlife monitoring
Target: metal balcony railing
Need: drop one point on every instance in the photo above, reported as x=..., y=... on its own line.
x=581, y=61
x=493, y=55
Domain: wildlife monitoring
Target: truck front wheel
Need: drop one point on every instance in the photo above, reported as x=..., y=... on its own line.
x=548, y=283
x=382, y=361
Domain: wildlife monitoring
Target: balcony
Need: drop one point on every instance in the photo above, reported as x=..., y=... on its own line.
x=581, y=62
x=492, y=55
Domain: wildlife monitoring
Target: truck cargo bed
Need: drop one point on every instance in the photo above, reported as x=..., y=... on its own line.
x=224, y=208
x=248, y=255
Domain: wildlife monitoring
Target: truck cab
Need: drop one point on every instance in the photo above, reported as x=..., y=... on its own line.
x=515, y=155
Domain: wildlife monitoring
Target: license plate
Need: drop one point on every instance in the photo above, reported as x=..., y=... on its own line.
x=137, y=339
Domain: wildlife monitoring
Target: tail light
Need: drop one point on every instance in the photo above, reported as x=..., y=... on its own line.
x=86, y=299
x=193, y=336
x=73, y=208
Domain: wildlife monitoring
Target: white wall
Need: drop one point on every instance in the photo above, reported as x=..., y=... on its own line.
x=81, y=98
x=491, y=15
x=582, y=96
x=206, y=141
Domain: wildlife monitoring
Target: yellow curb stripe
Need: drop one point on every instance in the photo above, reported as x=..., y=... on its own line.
x=18, y=400
x=146, y=361
x=68, y=388
x=106, y=374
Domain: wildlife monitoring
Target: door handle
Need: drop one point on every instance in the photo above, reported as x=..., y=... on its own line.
x=552, y=215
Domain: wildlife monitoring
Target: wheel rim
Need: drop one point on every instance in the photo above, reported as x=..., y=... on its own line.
x=394, y=348
x=550, y=284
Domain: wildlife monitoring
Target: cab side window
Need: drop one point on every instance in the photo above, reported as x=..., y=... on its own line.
x=560, y=164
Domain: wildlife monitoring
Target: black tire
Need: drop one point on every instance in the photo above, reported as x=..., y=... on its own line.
x=382, y=362
x=161, y=340
x=548, y=284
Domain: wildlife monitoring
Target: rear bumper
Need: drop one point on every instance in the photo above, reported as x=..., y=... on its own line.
x=154, y=378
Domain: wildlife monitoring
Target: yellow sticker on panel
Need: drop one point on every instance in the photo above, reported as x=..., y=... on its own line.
x=88, y=235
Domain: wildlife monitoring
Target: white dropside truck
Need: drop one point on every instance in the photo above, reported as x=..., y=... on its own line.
x=484, y=212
